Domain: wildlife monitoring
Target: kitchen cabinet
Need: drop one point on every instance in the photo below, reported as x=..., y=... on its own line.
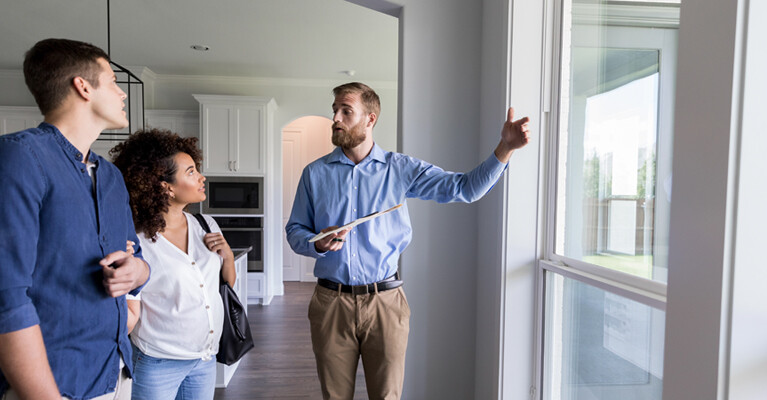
x=14, y=119
x=224, y=373
x=233, y=133
x=184, y=123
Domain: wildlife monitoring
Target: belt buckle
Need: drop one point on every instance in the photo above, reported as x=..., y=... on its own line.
x=359, y=289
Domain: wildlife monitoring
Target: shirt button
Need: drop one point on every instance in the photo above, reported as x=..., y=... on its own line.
x=193, y=263
x=355, y=187
x=79, y=156
x=201, y=285
x=207, y=307
x=211, y=332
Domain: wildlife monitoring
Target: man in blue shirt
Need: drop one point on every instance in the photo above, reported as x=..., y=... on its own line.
x=65, y=222
x=358, y=307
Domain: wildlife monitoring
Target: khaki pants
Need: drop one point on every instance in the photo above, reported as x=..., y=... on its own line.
x=346, y=326
x=122, y=390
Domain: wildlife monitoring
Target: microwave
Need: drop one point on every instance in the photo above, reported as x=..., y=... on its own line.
x=242, y=195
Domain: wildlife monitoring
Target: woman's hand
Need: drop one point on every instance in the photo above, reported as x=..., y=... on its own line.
x=215, y=242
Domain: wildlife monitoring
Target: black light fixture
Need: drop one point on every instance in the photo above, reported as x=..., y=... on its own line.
x=134, y=103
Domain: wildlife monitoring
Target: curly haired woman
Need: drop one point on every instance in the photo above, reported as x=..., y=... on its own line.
x=179, y=312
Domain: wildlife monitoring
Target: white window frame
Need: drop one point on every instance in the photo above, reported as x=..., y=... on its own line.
x=645, y=291
x=702, y=253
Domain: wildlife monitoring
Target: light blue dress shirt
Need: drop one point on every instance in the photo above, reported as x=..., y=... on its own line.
x=335, y=191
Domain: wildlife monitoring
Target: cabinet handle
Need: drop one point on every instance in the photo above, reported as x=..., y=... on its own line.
x=236, y=167
x=230, y=166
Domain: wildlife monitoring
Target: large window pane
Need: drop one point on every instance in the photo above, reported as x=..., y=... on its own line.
x=614, y=148
x=598, y=345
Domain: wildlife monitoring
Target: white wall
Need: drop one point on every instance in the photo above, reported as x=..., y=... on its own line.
x=295, y=98
x=748, y=356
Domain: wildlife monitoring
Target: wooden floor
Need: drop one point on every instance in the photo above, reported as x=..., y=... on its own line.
x=281, y=366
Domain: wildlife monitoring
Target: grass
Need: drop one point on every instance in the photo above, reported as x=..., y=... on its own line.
x=634, y=265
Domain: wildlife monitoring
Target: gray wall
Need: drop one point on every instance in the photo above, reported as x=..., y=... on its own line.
x=440, y=97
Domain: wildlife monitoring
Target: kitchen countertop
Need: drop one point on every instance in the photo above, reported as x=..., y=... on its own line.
x=239, y=252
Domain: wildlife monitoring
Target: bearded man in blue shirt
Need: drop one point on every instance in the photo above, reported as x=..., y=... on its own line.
x=358, y=307
x=65, y=216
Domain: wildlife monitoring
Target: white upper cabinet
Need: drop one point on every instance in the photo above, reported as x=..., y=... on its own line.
x=233, y=132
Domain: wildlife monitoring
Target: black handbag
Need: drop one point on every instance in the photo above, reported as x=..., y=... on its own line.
x=236, y=339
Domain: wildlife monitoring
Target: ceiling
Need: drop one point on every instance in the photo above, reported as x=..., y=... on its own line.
x=297, y=39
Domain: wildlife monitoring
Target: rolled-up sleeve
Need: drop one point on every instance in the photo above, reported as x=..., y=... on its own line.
x=23, y=185
x=300, y=227
x=433, y=183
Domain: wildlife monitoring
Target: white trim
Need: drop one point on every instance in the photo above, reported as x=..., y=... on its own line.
x=656, y=16
x=701, y=225
x=731, y=209
x=266, y=81
x=619, y=277
x=11, y=73
x=383, y=6
x=154, y=78
x=645, y=297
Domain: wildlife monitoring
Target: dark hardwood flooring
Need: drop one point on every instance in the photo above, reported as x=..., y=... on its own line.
x=281, y=366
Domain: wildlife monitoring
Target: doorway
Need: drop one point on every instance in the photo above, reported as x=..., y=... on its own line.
x=303, y=141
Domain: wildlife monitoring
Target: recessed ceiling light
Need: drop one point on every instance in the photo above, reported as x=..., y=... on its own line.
x=200, y=47
x=349, y=72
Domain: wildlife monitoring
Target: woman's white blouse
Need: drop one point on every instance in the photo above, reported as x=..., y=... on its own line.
x=181, y=309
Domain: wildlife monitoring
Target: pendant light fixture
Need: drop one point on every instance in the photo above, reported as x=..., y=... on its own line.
x=133, y=88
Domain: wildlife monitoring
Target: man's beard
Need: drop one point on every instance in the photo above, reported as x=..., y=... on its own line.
x=349, y=138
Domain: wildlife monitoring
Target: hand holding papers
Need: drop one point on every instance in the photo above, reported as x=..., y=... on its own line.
x=353, y=223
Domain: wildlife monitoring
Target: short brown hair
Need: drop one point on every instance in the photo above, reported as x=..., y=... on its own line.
x=146, y=160
x=51, y=64
x=369, y=97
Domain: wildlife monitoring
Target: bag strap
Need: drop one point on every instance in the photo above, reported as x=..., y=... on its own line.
x=206, y=228
x=202, y=222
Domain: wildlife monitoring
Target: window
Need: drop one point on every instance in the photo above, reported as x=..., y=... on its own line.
x=606, y=264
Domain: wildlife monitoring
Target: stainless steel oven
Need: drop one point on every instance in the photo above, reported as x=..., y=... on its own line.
x=242, y=232
x=234, y=195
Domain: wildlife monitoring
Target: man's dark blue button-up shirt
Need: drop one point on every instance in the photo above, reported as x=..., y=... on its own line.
x=53, y=231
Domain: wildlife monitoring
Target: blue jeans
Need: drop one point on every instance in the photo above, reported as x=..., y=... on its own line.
x=164, y=379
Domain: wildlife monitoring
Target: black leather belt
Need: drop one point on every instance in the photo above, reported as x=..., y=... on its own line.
x=389, y=283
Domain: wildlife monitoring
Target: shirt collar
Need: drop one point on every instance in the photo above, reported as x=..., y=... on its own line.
x=71, y=151
x=338, y=156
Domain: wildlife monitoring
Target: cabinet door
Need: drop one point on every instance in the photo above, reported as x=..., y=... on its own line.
x=102, y=147
x=217, y=126
x=247, y=140
x=14, y=119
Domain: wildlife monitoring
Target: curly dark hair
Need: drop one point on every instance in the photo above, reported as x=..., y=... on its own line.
x=146, y=160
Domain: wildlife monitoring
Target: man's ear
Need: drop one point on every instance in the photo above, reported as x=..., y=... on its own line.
x=82, y=87
x=372, y=118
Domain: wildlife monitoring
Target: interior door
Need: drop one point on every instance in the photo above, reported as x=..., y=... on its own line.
x=303, y=141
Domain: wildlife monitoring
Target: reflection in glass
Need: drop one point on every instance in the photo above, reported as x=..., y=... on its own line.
x=614, y=161
x=599, y=345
